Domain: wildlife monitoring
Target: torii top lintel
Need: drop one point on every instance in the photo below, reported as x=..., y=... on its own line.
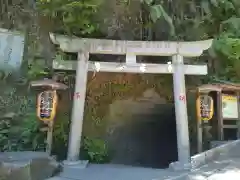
x=147, y=48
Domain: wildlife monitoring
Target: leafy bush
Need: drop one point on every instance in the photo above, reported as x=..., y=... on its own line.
x=96, y=149
x=26, y=135
x=72, y=17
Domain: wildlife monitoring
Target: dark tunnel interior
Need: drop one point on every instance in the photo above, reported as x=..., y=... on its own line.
x=149, y=140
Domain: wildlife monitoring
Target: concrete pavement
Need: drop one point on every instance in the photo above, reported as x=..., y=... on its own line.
x=223, y=164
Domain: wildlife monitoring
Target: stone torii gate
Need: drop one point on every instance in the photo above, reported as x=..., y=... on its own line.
x=131, y=49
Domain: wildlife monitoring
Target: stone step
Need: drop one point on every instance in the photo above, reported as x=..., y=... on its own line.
x=27, y=165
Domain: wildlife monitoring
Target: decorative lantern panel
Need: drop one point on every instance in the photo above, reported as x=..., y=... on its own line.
x=205, y=107
x=46, y=107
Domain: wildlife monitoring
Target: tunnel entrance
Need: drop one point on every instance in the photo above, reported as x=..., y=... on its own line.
x=147, y=139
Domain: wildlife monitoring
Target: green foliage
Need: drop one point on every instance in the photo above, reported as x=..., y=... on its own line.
x=20, y=130
x=71, y=16
x=60, y=135
x=96, y=149
x=228, y=50
x=31, y=136
x=227, y=42
x=36, y=71
x=4, y=131
x=157, y=12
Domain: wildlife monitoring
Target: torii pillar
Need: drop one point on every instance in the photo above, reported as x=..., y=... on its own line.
x=177, y=50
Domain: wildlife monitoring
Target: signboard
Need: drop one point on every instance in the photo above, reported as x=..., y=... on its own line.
x=11, y=50
x=229, y=106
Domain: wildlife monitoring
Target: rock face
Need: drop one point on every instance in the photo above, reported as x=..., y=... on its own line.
x=27, y=166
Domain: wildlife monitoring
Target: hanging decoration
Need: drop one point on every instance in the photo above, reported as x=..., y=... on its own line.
x=205, y=107
x=46, y=107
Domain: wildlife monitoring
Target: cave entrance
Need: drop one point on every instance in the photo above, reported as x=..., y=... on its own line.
x=146, y=139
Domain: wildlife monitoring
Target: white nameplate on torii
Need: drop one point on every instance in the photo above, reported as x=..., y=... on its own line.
x=116, y=67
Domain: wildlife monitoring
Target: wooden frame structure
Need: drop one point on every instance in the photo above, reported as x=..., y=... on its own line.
x=131, y=49
x=220, y=90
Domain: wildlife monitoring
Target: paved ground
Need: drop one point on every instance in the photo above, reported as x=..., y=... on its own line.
x=114, y=172
x=218, y=170
x=227, y=167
